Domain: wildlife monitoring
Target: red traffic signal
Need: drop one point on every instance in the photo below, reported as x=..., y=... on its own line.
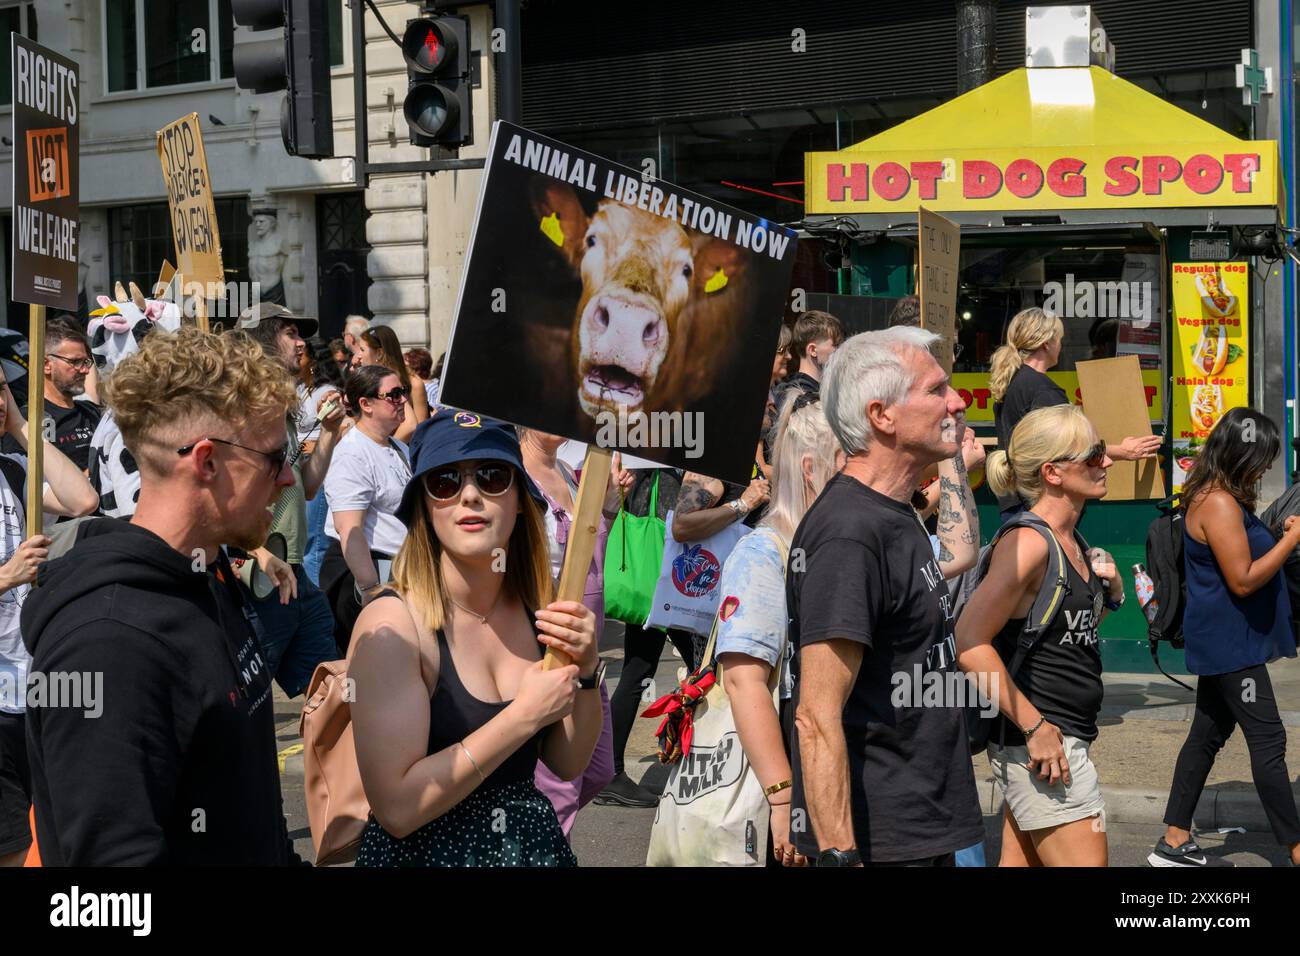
x=429, y=45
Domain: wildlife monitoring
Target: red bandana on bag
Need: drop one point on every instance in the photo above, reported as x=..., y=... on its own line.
x=677, y=727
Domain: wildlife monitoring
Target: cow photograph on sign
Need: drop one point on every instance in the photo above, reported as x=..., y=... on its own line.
x=605, y=305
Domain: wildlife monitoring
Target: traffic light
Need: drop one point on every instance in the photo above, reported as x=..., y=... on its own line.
x=437, y=106
x=299, y=62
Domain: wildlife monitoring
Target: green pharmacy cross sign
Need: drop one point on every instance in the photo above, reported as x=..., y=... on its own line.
x=1253, y=81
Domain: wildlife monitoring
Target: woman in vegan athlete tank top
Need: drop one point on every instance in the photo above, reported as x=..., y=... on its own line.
x=1038, y=749
x=453, y=709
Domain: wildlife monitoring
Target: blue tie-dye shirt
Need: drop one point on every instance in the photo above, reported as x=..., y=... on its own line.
x=752, y=617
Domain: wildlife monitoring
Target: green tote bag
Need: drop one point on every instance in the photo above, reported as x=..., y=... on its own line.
x=633, y=553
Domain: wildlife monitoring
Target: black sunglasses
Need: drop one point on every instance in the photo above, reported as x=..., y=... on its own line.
x=277, y=458
x=1093, y=457
x=394, y=396
x=491, y=478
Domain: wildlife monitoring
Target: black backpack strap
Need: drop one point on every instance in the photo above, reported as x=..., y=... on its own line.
x=1051, y=593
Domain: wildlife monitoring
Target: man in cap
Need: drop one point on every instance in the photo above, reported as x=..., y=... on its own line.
x=295, y=615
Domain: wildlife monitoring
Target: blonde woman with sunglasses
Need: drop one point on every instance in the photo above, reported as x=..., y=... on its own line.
x=1038, y=749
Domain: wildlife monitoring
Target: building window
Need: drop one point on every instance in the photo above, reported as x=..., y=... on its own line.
x=180, y=44
x=140, y=239
x=17, y=18
x=336, y=32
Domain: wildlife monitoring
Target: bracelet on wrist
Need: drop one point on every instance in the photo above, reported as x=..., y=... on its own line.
x=776, y=788
x=1030, y=732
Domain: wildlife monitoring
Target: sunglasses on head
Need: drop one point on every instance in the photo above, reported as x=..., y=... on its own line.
x=491, y=478
x=1093, y=457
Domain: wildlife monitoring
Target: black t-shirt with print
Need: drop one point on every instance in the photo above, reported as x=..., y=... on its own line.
x=73, y=429
x=862, y=569
x=1061, y=676
x=1029, y=389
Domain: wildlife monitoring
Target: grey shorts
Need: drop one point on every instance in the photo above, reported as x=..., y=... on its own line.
x=1036, y=805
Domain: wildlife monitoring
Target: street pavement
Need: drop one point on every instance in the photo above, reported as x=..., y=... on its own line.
x=1143, y=723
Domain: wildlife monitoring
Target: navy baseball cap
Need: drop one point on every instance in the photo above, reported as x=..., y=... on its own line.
x=450, y=436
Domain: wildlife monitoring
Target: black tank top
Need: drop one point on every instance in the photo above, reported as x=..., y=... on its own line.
x=455, y=713
x=1062, y=674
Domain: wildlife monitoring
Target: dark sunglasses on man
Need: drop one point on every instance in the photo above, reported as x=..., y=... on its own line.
x=491, y=478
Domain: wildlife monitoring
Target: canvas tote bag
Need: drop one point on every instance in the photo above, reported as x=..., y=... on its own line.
x=687, y=593
x=713, y=811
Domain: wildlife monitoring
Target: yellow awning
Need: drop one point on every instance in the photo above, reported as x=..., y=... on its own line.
x=1046, y=139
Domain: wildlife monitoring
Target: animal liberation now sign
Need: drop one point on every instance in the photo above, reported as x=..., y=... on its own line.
x=46, y=223
x=189, y=197
x=608, y=306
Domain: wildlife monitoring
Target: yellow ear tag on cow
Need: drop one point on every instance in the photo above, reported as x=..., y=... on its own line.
x=552, y=230
x=717, y=282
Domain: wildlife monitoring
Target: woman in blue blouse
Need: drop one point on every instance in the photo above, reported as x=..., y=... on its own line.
x=1238, y=619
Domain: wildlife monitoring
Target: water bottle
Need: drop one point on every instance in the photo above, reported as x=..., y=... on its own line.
x=1146, y=592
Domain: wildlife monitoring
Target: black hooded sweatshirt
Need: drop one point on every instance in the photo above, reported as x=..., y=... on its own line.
x=180, y=767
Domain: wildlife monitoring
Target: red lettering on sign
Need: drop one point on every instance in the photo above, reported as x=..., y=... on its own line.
x=1203, y=174
x=1024, y=178
x=837, y=182
x=1151, y=395
x=1242, y=167
x=980, y=179
x=927, y=179
x=1121, y=171
x=891, y=181
x=1157, y=170
x=1065, y=177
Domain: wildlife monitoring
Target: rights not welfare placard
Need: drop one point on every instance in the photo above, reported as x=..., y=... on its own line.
x=605, y=305
x=46, y=222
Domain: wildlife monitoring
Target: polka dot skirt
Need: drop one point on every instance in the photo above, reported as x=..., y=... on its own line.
x=510, y=825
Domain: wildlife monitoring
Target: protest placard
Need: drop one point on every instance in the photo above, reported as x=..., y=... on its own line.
x=939, y=242
x=193, y=213
x=46, y=220
x=611, y=307
x=1114, y=399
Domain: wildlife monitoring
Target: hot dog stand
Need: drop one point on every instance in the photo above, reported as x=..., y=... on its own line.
x=1132, y=219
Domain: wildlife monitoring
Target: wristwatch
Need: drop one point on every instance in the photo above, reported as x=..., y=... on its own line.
x=592, y=682
x=834, y=857
x=1110, y=605
x=739, y=507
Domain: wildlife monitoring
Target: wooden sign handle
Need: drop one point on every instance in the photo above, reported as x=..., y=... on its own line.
x=36, y=421
x=201, y=312
x=582, y=536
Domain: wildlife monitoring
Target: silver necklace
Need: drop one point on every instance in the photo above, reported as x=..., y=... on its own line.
x=482, y=618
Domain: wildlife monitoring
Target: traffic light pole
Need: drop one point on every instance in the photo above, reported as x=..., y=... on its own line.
x=508, y=14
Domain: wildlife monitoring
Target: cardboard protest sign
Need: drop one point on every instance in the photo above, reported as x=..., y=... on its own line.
x=617, y=309
x=1114, y=400
x=939, y=241
x=189, y=197
x=46, y=229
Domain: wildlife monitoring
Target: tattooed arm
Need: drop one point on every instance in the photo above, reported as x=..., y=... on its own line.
x=959, y=522
x=697, y=516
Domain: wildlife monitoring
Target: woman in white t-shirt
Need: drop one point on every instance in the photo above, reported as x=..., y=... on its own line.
x=364, y=485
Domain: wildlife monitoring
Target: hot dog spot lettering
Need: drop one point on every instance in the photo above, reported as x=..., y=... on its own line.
x=1041, y=178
